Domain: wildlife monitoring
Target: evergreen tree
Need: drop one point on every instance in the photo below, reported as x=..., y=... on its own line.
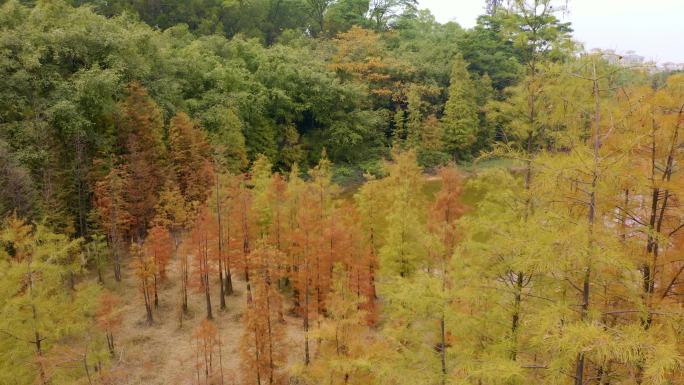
x=460, y=121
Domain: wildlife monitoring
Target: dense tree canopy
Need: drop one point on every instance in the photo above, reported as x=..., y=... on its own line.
x=332, y=191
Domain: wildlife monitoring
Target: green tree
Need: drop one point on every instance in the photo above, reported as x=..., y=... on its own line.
x=40, y=315
x=460, y=121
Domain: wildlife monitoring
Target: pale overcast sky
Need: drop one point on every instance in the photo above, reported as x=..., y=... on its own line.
x=654, y=29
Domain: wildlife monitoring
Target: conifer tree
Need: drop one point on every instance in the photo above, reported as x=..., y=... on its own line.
x=223, y=257
x=207, y=345
x=342, y=356
x=173, y=212
x=160, y=246
x=144, y=269
x=260, y=178
x=460, y=121
x=140, y=128
x=277, y=200
x=446, y=210
x=358, y=258
x=113, y=211
x=98, y=253
x=305, y=247
x=227, y=138
x=203, y=243
x=404, y=249
x=243, y=221
x=109, y=318
x=372, y=204
x=323, y=191
x=39, y=313
x=262, y=343
x=295, y=186
x=189, y=159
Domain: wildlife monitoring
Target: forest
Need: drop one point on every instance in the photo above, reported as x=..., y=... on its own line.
x=339, y=192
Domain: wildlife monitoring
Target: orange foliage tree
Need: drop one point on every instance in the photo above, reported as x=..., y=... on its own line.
x=446, y=210
x=358, y=260
x=159, y=245
x=113, y=213
x=140, y=127
x=305, y=249
x=242, y=231
x=108, y=316
x=262, y=346
x=204, y=246
x=207, y=345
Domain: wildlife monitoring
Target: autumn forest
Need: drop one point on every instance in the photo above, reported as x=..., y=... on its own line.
x=339, y=192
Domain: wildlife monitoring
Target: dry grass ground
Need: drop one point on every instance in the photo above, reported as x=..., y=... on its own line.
x=164, y=353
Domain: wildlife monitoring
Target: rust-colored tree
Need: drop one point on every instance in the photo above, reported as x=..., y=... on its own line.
x=371, y=203
x=354, y=253
x=262, y=346
x=243, y=229
x=277, y=198
x=140, y=128
x=159, y=245
x=203, y=239
x=323, y=191
x=289, y=243
x=222, y=254
x=446, y=210
x=226, y=192
x=207, y=346
x=113, y=213
x=306, y=246
x=109, y=317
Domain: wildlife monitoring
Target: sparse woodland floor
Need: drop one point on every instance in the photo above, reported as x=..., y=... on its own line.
x=164, y=353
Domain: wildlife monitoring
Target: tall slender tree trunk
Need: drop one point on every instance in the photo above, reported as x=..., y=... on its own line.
x=517, y=300
x=205, y=277
x=116, y=247
x=271, y=365
x=222, y=293
x=148, y=301
x=110, y=343
x=306, y=314
x=591, y=217
x=156, y=295
x=35, y=322
x=184, y=284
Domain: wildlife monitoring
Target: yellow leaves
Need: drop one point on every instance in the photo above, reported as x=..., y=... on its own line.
x=17, y=232
x=361, y=55
x=141, y=263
